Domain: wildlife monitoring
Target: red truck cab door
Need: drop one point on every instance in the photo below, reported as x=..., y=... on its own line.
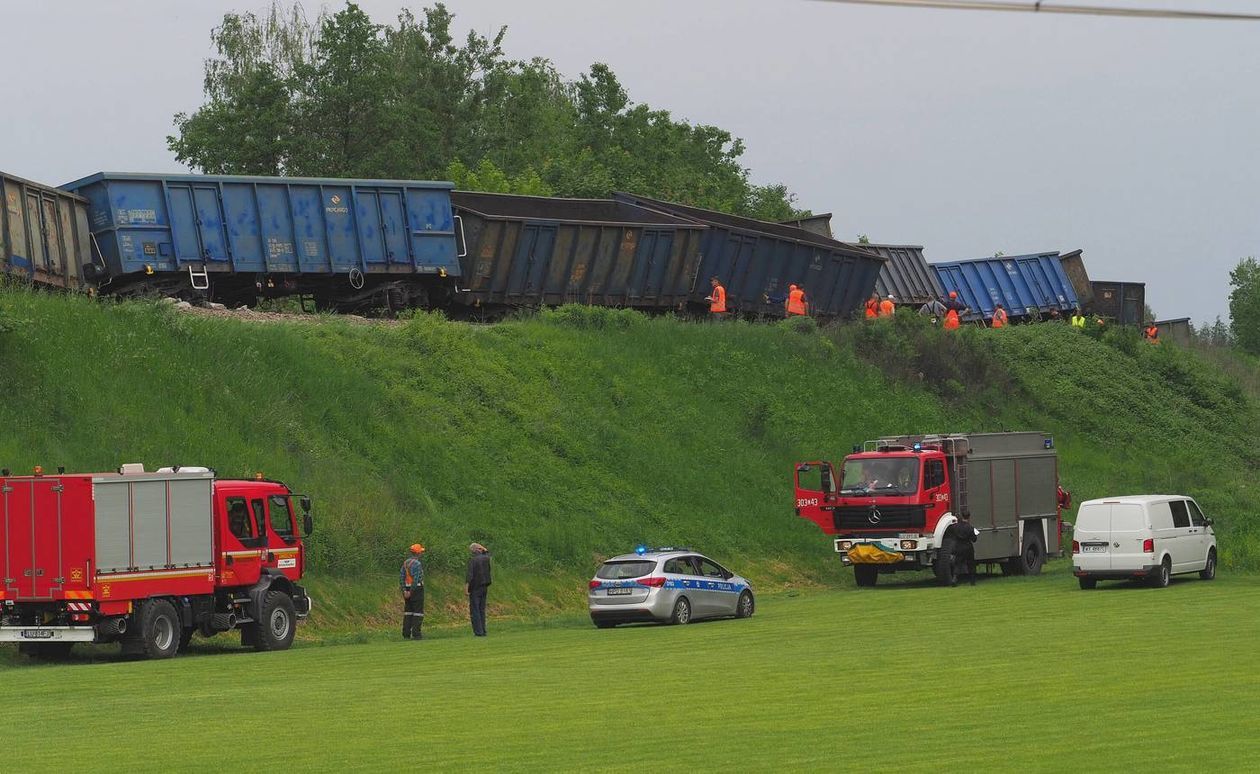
x=242, y=538
x=815, y=488
x=936, y=489
x=284, y=547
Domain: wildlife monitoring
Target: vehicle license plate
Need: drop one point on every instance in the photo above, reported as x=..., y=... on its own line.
x=1093, y=549
x=38, y=634
x=612, y=592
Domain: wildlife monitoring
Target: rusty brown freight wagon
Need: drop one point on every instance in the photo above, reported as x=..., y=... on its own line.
x=44, y=235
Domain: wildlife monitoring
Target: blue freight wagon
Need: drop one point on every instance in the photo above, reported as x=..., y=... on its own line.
x=44, y=235
x=1027, y=286
x=540, y=251
x=756, y=261
x=347, y=243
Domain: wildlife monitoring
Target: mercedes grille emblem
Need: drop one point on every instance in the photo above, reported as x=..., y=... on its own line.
x=873, y=516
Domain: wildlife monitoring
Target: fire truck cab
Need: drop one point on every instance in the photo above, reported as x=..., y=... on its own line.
x=889, y=506
x=148, y=559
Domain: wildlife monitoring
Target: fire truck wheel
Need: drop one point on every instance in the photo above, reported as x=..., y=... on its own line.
x=1033, y=554
x=943, y=567
x=185, y=638
x=865, y=575
x=277, y=623
x=158, y=633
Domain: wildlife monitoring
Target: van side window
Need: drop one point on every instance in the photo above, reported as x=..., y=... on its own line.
x=1181, y=517
x=934, y=474
x=1196, y=515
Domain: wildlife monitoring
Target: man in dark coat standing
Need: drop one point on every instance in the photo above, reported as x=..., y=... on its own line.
x=478, y=582
x=963, y=536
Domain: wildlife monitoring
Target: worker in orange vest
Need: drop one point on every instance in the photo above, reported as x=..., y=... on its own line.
x=872, y=306
x=717, y=300
x=954, y=306
x=795, y=304
x=999, y=317
x=1151, y=333
x=888, y=306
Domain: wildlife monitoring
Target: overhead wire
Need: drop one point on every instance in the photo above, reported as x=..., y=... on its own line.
x=1040, y=6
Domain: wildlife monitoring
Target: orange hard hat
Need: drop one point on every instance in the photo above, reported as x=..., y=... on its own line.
x=416, y=548
x=953, y=294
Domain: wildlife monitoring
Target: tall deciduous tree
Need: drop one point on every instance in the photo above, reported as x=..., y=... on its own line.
x=343, y=96
x=1244, y=305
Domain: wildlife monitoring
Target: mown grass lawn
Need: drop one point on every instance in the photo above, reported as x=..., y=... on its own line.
x=1015, y=674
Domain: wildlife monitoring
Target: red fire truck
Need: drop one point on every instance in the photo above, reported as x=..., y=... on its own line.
x=149, y=559
x=893, y=500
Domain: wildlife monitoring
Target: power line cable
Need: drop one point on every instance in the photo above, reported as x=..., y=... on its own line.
x=1041, y=7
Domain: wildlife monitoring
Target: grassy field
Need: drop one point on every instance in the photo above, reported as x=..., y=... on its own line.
x=1016, y=674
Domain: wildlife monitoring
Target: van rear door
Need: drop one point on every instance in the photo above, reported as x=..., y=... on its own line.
x=1093, y=534
x=1129, y=530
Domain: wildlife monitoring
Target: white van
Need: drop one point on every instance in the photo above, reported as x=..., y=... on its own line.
x=1144, y=536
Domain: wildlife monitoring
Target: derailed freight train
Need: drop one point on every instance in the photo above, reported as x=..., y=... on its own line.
x=358, y=245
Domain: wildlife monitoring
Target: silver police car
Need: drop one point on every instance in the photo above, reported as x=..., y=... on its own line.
x=676, y=585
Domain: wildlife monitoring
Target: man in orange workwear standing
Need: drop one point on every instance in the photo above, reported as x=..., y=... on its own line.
x=951, y=316
x=872, y=306
x=795, y=305
x=888, y=307
x=999, y=317
x=717, y=300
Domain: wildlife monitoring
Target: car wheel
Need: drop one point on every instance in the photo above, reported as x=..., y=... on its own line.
x=1209, y=569
x=1163, y=575
x=1088, y=583
x=745, y=607
x=865, y=575
x=604, y=624
x=682, y=612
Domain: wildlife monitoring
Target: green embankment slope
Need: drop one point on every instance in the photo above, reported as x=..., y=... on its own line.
x=560, y=439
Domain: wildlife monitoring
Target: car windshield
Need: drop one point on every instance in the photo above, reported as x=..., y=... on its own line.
x=895, y=475
x=623, y=570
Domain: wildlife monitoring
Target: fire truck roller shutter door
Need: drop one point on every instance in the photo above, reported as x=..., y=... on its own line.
x=191, y=527
x=148, y=525
x=113, y=526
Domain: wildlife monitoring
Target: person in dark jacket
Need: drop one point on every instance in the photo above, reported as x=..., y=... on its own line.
x=963, y=536
x=478, y=582
x=411, y=583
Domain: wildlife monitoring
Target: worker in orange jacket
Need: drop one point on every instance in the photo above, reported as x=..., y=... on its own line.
x=953, y=307
x=716, y=299
x=999, y=317
x=872, y=306
x=1151, y=333
x=795, y=305
x=888, y=306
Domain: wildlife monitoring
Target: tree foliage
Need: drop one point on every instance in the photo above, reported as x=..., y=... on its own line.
x=1244, y=305
x=342, y=95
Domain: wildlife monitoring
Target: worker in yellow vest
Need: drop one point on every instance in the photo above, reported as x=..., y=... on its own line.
x=1078, y=319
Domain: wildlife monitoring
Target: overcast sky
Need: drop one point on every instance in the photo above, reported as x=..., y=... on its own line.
x=965, y=132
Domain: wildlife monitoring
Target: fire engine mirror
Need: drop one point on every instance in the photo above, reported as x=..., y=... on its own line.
x=825, y=471
x=308, y=525
x=306, y=503
x=804, y=467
